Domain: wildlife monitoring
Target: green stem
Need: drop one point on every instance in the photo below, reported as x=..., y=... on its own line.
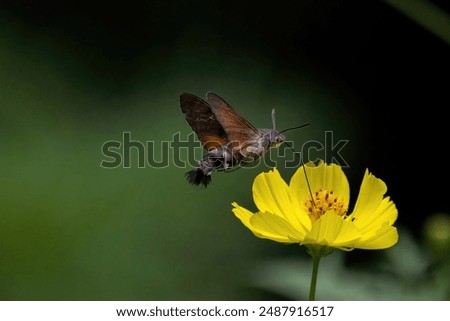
x=312, y=288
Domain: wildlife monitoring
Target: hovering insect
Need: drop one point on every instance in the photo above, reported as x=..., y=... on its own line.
x=230, y=140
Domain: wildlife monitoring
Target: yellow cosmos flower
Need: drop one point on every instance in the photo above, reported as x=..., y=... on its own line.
x=287, y=214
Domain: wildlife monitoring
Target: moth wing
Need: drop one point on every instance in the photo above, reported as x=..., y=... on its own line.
x=237, y=128
x=203, y=121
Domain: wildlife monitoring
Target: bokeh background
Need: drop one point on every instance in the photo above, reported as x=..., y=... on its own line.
x=74, y=75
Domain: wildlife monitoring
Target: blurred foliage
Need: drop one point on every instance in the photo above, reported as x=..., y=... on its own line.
x=71, y=230
x=405, y=272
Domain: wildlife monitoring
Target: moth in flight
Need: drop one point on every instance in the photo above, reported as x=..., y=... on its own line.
x=229, y=139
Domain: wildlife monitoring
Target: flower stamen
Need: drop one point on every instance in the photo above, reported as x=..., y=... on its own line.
x=323, y=202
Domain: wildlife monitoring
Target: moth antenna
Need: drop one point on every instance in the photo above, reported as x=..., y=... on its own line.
x=304, y=171
x=273, y=118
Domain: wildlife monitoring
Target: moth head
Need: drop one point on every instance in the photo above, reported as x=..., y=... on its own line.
x=278, y=139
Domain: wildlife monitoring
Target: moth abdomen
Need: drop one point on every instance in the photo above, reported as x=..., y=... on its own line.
x=218, y=159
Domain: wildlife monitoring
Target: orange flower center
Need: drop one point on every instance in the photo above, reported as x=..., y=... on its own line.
x=324, y=201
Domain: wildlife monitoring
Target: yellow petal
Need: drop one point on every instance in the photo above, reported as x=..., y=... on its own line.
x=274, y=227
x=385, y=215
x=382, y=239
x=333, y=231
x=372, y=211
x=329, y=177
x=242, y=213
x=271, y=194
x=263, y=227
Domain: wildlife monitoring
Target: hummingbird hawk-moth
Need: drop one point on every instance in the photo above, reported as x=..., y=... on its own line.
x=229, y=139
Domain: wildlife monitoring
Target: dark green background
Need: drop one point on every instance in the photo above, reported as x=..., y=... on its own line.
x=74, y=75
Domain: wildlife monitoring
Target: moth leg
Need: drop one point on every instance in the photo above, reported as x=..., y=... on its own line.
x=228, y=159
